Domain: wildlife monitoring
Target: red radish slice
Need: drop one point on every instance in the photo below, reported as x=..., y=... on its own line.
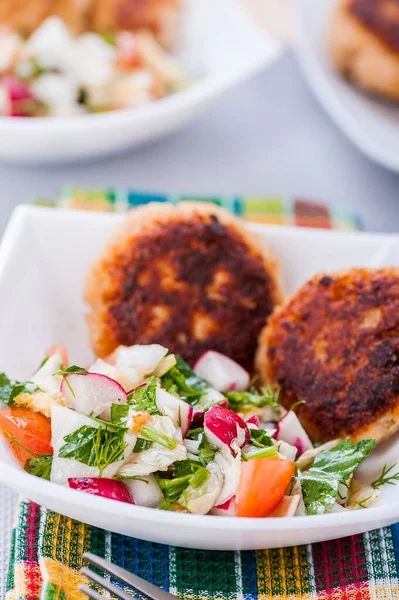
x=223, y=373
x=254, y=420
x=223, y=427
x=145, y=491
x=17, y=92
x=227, y=509
x=92, y=393
x=106, y=488
x=179, y=411
x=291, y=431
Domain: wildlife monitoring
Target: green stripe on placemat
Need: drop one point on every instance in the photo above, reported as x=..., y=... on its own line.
x=275, y=210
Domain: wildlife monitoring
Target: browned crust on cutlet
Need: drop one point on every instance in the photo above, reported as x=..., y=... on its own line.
x=335, y=346
x=190, y=277
x=364, y=45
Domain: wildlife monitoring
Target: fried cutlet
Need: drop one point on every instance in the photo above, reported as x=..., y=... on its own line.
x=190, y=277
x=364, y=44
x=335, y=347
x=27, y=15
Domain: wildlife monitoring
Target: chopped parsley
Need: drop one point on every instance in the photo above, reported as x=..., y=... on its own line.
x=142, y=445
x=10, y=388
x=267, y=397
x=260, y=438
x=143, y=398
x=207, y=451
x=330, y=468
x=40, y=467
x=182, y=381
x=94, y=447
x=186, y=472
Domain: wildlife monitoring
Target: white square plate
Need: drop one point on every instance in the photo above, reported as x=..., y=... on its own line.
x=43, y=260
x=371, y=124
x=220, y=46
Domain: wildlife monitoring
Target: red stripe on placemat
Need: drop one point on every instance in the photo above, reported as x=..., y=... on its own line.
x=311, y=214
x=31, y=564
x=340, y=569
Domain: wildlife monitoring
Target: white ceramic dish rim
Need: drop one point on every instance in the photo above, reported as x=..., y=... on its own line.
x=14, y=476
x=329, y=100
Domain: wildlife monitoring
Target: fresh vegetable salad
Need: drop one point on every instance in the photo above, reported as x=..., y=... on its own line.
x=55, y=73
x=144, y=428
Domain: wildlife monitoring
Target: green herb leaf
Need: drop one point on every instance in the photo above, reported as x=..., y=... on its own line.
x=186, y=472
x=119, y=414
x=141, y=445
x=195, y=434
x=362, y=503
x=260, y=438
x=172, y=489
x=10, y=388
x=331, y=467
x=207, y=451
x=267, y=397
x=182, y=381
x=154, y=436
x=259, y=453
x=144, y=398
x=385, y=478
x=40, y=467
x=94, y=447
x=72, y=370
x=108, y=425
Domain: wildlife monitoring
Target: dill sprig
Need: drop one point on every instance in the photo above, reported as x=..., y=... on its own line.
x=361, y=503
x=385, y=478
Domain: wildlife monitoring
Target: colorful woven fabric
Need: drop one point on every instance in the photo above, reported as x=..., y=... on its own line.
x=273, y=210
x=47, y=550
x=47, y=547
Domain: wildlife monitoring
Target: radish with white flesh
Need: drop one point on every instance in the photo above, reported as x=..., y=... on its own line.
x=290, y=430
x=287, y=451
x=104, y=487
x=228, y=509
x=176, y=409
x=92, y=393
x=223, y=373
x=223, y=427
x=254, y=420
x=144, y=359
x=209, y=398
x=44, y=377
x=65, y=421
x=145, y=491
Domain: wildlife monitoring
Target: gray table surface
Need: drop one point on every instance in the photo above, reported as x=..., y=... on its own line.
x=267, y=137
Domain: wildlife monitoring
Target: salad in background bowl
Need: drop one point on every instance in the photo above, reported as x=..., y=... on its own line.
x=56, y=73
x=144, y=428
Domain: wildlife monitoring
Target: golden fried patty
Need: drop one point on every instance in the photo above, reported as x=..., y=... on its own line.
x=379, y=16
x=364, y=44
x=335, y=346
x=190, y=277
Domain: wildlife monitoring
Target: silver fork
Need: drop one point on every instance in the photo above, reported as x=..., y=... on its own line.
x=152, y=592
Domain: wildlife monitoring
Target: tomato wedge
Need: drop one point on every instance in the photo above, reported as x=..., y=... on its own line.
x=263, y=483
x=63, y=353
x=27, y=432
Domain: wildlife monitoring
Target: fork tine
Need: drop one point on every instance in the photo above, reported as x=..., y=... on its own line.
x=144, y=587
x=107, y=585
x=89, y=592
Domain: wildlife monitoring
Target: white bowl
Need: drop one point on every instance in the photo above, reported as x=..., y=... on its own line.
x=372, y=125
x=220, y=47
x=43, y=260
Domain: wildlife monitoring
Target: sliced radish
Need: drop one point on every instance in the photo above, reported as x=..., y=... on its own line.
x=145, y=491
x=17, y=92
x=143, y=358
x=209, y=398
x=223, y=373
x=254, y=420
x=44, y=377
x=92, y=393
x=227, y=509
x=287, y=507
x=223, y=427
x=106, y=488
x=176, y=409
x=290, y=430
